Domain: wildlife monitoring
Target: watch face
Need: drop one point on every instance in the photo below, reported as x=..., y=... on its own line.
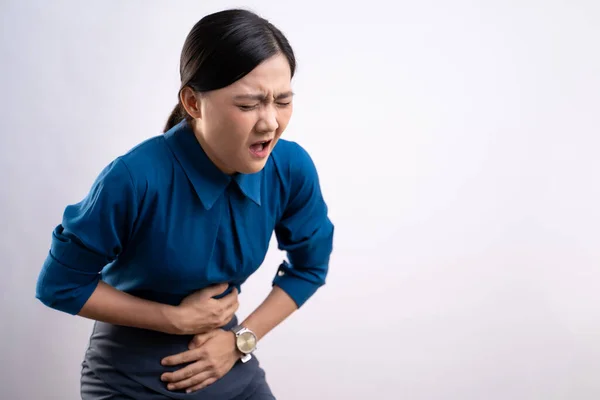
x=246, y=342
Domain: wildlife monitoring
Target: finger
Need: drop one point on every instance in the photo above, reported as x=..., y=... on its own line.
x=229, y=312
x=182, y=358
x=230, y=300
x=199, y=340
x=185, y=373
x=215, y=290
x=226, y=314
x=232, y=307
x=194, y=381
x=208, y=381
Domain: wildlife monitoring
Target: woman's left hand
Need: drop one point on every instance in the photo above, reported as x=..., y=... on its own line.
x=214, y=354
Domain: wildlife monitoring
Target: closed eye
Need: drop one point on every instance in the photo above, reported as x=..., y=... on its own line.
x=247, y=107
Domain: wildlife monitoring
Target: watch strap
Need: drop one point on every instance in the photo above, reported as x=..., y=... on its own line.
x=238, y=329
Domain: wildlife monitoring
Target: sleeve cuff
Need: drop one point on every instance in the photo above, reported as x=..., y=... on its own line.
x=299, y=287
x=63, y=288
x=75, y=256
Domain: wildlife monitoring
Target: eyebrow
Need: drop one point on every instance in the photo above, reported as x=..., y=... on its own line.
x=262, y=97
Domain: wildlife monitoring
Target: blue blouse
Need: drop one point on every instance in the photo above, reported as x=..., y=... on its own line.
x=162, y=221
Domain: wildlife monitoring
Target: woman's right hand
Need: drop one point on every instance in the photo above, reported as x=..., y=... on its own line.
x=201, y=313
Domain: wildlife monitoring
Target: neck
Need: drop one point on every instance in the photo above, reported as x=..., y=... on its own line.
x=207, y=149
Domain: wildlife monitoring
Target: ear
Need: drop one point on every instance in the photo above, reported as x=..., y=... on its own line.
x=191, y=102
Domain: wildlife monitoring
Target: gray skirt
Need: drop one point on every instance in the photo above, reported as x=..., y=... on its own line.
x=124, y=363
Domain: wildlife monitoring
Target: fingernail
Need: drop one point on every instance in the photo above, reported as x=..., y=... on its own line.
x=188, y=391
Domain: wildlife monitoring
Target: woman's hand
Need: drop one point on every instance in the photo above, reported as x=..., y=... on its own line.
x=214, y=354
x=199, y=313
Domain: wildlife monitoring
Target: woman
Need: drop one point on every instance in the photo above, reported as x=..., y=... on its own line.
x=157, y=251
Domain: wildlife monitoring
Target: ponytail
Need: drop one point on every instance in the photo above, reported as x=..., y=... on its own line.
x=177, y=115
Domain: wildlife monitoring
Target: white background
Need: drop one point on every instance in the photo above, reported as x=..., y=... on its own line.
x=458, y=148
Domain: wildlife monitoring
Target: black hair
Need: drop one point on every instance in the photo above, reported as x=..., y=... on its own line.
x=224, y=47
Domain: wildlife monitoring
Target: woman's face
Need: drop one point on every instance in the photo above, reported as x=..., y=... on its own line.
x=239, y=125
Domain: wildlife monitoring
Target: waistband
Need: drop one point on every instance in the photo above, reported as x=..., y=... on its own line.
x=126, y=357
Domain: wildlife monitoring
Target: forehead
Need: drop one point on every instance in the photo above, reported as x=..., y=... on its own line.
x=271, y=76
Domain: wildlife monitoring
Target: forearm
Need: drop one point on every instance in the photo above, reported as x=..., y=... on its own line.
x=113, y=306
x=274, y=310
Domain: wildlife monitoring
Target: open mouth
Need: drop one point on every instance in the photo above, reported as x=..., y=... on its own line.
x=260, y=147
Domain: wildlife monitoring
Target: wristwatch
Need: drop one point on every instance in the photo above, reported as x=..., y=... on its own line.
x=245, y=340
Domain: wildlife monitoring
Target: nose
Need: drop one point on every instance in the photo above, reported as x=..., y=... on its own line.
x=267, y=121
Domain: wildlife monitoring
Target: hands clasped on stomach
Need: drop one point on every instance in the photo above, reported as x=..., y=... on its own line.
x=201, y=313
x=212, y=351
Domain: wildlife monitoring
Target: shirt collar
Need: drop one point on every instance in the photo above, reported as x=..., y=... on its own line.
x=209, y=182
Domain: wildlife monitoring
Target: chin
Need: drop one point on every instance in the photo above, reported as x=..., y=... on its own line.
x=252, y=167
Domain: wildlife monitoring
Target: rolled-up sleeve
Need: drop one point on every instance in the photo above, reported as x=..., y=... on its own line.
x=304, y=232
x=92, y=234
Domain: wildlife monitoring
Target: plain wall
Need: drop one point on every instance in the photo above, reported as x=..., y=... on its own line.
x=458, y=148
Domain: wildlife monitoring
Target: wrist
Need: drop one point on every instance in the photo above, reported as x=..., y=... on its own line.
x=174, y=320
x=237, y=354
